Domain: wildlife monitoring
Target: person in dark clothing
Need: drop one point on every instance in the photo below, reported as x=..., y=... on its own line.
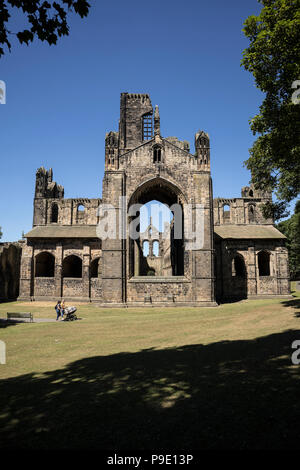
x=58, y=310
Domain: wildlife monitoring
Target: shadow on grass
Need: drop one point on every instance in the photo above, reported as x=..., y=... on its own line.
x=6, y=323
x=295, y=303
x=225, y=395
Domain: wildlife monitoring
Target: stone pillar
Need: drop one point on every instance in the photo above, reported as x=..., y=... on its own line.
x=136, y=259
x=283, y=278
x=114, y=250
x=202, y=257
x=251, y=270
x=58, y=271
x=26, y=273
x=86, y=262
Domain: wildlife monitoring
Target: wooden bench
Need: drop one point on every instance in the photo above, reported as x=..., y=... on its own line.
x=11, y=315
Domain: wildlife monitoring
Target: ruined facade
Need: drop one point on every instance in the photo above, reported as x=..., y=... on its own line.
x=10, y=261
x=240, y=253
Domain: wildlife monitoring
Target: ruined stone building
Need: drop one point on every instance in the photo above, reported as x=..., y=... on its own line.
x=241, y=254
x=10, y=260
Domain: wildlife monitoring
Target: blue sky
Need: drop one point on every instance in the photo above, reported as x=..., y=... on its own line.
x=61, y=100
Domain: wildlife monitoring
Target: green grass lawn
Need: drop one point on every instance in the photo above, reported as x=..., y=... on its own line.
x=152, y=379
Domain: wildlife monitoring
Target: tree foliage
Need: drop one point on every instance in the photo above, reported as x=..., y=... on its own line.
x=273, y=57
x=46, y=20
x=291, y=229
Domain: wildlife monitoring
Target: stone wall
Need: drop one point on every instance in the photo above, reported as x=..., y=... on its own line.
x=10, y=259
x=140, y=167
x=229, y=286
x=58, y=286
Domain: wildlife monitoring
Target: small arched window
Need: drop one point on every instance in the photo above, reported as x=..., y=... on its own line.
x=54, y=213
x=95, y=268
x=251, y=210
x=44, y=264
x=156, y=248
x=146, y=248
x=251, y=193
x=263, y=263
x=156, y=155
x=80, y=215
x=226, y=212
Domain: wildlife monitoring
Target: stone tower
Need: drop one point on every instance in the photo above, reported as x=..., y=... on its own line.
x=141, y=166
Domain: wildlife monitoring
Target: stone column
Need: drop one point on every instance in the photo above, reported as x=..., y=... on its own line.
x=26, y=273
x=114, y=250
x=251, y=270
x=282, y=264
x=58, y=271
x=86, y=262
x=202, y=256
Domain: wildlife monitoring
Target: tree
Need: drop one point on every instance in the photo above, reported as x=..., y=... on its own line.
x=273, y=57
x=291, y=229
x=46, y=20
x=1, y=233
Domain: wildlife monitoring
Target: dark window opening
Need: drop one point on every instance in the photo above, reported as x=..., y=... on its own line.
x=95, y=268
x=44, y=265
x=238, y=267
x=264, y=263
x=251, y=193
x=147, y=126
x=54, y=213
x=157, y=154
x=251, y=214
x=72, y=266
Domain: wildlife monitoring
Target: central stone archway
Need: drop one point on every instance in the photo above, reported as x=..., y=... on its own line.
x=170, y=238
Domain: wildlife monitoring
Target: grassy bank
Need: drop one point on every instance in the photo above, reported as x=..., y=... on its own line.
x=152, y=378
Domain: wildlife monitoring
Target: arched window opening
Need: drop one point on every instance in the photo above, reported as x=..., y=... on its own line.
x=226, y=212
x=264, y=263
x=157, y=155
x=238, y=266
x=80, y=216
x=251, y=193
x=72, y=266
x=44, y=265
x=162, y=210
x=155, y=249
x=145, y=248
x=147, y=126
x=95, y=268
x=251, y=213
x=54, y=213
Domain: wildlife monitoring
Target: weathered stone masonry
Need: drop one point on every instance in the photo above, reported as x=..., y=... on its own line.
x=243, y=255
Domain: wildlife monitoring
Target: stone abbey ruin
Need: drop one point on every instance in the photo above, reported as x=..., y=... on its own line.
x=242, y=255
